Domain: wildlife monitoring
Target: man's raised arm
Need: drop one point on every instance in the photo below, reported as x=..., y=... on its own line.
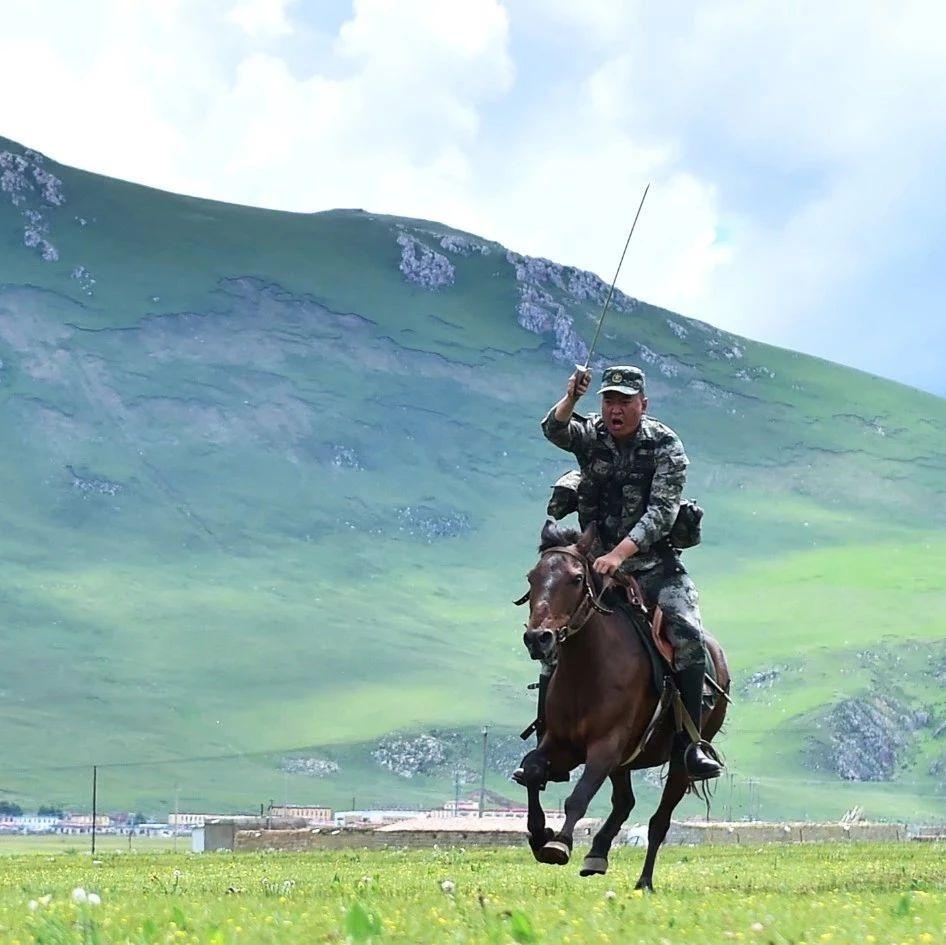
x=559, y=426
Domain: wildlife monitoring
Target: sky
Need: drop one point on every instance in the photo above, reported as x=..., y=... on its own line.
x=796, y=151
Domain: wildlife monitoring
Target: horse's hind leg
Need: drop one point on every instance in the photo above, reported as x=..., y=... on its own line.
x=674, y=790
x=622, y=803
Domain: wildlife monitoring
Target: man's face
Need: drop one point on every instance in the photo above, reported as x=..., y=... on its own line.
x=621, y=413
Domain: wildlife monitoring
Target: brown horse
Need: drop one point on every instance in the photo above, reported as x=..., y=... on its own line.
x=601, y=705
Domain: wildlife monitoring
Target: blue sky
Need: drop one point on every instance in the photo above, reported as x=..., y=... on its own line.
x=796, y=151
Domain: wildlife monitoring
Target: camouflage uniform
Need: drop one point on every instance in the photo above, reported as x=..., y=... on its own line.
x=633, y=491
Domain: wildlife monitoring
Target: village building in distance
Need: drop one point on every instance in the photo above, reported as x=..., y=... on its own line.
x=314, y=815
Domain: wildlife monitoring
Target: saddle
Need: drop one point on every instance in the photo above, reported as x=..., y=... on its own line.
x=648, y=622
x=655, y=616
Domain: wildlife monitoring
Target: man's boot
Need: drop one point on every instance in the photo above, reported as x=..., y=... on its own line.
x=699, y=765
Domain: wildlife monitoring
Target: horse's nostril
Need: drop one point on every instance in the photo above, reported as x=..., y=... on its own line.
x=539, y=640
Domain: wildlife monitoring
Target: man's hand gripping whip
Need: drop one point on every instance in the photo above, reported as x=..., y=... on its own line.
x=584, y=368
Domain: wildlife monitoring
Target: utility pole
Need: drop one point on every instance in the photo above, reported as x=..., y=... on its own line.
x=753, y=786
x=483, y=777
x=177, y=812
x=95, y=779
x=456, y=792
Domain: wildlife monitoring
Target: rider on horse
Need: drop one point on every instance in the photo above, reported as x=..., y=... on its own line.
x=633, y=468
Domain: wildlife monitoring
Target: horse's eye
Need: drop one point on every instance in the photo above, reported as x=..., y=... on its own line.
x=576, y=579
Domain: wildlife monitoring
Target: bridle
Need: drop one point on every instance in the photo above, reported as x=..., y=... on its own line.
x=586, y=607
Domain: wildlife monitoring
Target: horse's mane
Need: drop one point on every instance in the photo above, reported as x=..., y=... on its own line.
x=557, y=536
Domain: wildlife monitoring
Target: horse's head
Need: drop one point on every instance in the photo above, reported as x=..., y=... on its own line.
x=559, y=589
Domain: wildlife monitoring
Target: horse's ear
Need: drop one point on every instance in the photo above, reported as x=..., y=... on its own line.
x=549, y=534
x=586, y=539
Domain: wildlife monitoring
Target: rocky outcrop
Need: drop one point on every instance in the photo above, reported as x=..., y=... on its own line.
x=762, y=679
x=541, y=314
x=422, y=265
x=678, y=329
x=345, y=457
x=31, y=188
x=449, y=753
x=546, y=289
x=754, y=373
x=313, y=767
x=94, y=485
x=870, y=737
x=409, y=756
x=669, y=367
x=424, y=521
x=724, y=347
x=84, y=278
x=463, y=245
x=711, y=393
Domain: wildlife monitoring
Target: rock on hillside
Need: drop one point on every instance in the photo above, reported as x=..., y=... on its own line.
x=870, y=737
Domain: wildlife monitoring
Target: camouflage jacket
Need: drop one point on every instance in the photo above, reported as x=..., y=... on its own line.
x=632, y=491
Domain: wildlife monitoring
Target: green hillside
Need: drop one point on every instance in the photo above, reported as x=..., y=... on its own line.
x=267, y=499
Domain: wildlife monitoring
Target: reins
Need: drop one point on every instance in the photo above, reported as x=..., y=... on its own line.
x=587, y=606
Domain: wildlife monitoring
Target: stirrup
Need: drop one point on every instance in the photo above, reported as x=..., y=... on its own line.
x=701, y=769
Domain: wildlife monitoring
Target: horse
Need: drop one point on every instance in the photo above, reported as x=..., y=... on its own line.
x=601, y=708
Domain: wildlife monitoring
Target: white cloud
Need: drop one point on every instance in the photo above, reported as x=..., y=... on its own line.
x=814, y=129
x=261, y=18
x=793, y=150
x=574, y=200
x=161, y=96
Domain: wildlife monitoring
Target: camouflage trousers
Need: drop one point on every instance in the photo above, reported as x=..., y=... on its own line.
x=680, y=602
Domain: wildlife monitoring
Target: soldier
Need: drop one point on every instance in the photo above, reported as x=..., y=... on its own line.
x=633, y=469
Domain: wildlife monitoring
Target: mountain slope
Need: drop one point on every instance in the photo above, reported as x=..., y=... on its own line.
x=271, y=480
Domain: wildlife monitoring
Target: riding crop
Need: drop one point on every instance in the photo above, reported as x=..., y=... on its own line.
x=584, y=368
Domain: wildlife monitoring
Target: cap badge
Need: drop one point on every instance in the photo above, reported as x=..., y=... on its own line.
x=617, y=377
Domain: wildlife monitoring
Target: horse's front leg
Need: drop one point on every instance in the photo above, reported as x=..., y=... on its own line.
x=539, y=834
x=602, y=759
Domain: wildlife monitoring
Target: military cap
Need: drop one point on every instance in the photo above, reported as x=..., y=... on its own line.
x=622, y=380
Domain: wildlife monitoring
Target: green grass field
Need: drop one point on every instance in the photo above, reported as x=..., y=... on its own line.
x=268, y=394
x=16, y=845
x=891, y=893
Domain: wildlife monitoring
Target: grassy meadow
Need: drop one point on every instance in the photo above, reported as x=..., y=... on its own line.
x=211, y=465
x=845, y=893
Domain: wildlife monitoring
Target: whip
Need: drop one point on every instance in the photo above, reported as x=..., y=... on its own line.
x=584, y=368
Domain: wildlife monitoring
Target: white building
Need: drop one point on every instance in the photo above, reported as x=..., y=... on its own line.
x=314, y=815
x=356, y=818
x=189, y=819
x=32, y=823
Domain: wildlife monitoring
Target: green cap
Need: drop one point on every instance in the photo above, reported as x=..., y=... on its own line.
x=622, y=380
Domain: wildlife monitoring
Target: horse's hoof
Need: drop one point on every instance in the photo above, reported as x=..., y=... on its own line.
x=645, y=884
x=593, y=866
x=538, y=842
x=554, y=852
